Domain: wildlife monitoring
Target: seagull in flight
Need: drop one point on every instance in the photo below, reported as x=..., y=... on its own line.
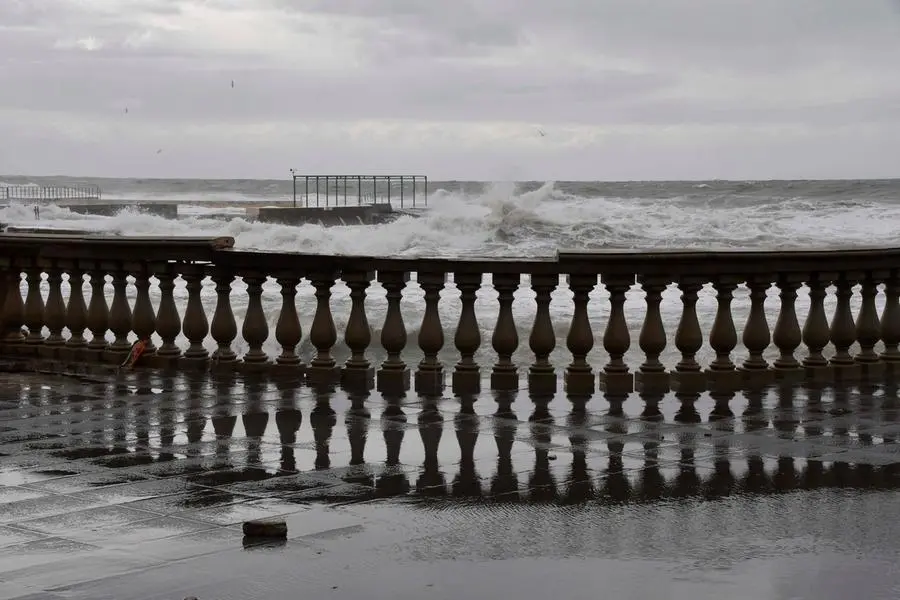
x=542, y=133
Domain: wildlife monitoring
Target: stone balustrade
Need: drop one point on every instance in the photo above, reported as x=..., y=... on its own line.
x=131, y=290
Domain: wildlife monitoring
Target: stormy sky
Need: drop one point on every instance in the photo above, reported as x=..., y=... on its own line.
x=621, y=89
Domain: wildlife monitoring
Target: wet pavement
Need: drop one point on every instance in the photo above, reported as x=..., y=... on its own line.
x=137, y=487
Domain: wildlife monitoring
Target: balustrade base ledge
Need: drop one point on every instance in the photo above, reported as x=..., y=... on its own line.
x=616, y=383
x=254, y=367
x=542, y=383
x=507, y=381
x=282, y=370
x=392, y=381
x=466, y=383
x=891, y=372
x=323, y=375
x=819, y=375
x=358, y=379
x=651, y=383
x=580, y=383
x=756, y=378
x=872, y=372
x=846, y=373
x=430, y=383
x=52, y=351
x=688, y=382
x=724, y=381
x=55, y=366
x=190, y=363
x=22, y=349
x=395, y=382
x=788, y=376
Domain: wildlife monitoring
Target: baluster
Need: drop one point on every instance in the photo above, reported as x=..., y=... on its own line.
x=98, y=313
x=224, y=325
x=430, y=374
x=466, y=375
x=688, y=376
x=505, y=340
x=393, y=376
x=357, y=373
x=843, y=329
x=890, y=324
x=255, y=329
x=542, y=341
x=787, y=335
x=816, y=334
x=756, y=336
x=616, y=377
x=119, y=313
x=144, y=319
x=13, y=306
x=579, y=376
x=168, y=321
x=323, y=333
x=34, y=306
x=722, y=374
x=195, y=325
x=55, y=309
x=652, y=374
x=288, y=332
x=868, y=328
x=76, y=310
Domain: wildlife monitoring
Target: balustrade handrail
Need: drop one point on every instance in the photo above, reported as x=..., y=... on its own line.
x=131, y=248
x=675, y=262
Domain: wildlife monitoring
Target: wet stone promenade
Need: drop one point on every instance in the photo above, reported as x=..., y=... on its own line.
x=136, y=487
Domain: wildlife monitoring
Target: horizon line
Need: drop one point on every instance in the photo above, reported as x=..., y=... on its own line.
x=454, y=180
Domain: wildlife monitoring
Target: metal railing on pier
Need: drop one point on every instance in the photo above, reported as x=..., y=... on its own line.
x=356, y=190
x=50, y=193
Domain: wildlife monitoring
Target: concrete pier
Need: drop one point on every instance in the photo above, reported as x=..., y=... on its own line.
x=111, y=209
x=327, y=216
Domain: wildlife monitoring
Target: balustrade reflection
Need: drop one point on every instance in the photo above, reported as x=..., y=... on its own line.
x=275, y=441
x=192, y=315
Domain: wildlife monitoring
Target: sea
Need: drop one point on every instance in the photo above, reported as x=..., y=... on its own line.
x=512, y=219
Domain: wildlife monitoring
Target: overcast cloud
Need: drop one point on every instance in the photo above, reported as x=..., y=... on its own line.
x=624, y=89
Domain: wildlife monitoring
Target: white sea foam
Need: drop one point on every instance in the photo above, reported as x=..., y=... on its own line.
x=502, y=222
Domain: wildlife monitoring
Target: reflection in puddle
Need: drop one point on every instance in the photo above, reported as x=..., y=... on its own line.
x=274, y=440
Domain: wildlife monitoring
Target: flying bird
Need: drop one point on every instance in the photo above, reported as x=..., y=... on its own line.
x=542, y=133
x=232, y=84
x=159, y=151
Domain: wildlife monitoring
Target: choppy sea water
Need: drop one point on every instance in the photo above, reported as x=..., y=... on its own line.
x=530, y=219
x=514, y=220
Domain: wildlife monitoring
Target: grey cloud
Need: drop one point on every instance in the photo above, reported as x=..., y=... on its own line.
x=610, y=63
x=100, y=86
x=453, y=28
x=763, y=32
x=161, y=91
